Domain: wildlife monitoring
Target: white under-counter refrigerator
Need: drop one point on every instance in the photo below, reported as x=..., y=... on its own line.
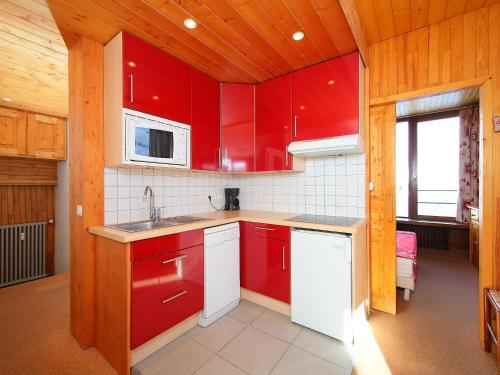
x=321, y=287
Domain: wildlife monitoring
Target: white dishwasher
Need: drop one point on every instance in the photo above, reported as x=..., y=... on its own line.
x=321, y=282
x=222, y=272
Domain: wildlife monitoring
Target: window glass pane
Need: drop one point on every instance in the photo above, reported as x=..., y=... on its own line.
x=437, y=160
x=402, y=169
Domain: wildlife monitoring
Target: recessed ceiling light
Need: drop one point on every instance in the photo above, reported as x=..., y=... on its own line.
x=190, y=23
x=7, y=99
x=299, y=35
x=131, y=64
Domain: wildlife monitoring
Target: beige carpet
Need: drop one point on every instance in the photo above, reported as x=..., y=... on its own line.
x=436, y=332
x=34, y=332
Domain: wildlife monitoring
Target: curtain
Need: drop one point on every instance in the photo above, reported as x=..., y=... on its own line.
x=469, y=163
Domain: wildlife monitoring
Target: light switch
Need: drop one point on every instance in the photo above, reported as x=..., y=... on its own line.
x=370, y=186
x=79, y=210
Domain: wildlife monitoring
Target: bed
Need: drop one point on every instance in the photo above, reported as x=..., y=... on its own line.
x=406, y=261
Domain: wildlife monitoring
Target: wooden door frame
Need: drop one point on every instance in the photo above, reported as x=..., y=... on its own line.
x=486, y=264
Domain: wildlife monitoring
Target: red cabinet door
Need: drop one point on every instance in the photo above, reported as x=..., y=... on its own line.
x=205, y=122
x=267, y=267
x=325, y=99
x=155, y=82
x=173, y=294
x=237, y=119
x=273, y=124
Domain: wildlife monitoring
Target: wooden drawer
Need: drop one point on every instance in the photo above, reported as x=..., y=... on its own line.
x=166, y=273
x=161, y=245
x=270, y=231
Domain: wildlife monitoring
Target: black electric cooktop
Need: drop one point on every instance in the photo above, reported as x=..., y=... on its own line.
x=323, y=219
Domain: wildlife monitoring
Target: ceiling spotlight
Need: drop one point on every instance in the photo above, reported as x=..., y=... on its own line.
x=7, y=99
x=190, y=23
x=299, y=35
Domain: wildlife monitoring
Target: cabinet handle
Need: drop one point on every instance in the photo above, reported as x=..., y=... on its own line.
x=174, y=297
x=295, y=121
x=286, y=156
x=131, y=78
x=262, y=228
x=174, y=259
x=225, y=158
x=219, y=166
x=283, y=258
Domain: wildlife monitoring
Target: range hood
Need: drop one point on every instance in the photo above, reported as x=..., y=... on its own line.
x=347, y=144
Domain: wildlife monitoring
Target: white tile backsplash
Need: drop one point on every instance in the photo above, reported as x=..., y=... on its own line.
x=329, y=186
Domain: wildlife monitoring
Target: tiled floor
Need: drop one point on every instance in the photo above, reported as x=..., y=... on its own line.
x=250, y=340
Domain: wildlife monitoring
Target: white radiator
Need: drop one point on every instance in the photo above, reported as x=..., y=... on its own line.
x=22, y=252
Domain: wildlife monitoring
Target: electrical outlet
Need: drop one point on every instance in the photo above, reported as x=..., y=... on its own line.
x=79, y=210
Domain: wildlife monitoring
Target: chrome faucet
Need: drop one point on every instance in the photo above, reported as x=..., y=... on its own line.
x=154, y=212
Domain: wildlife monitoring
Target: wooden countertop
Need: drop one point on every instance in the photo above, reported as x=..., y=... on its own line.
x=224, y=217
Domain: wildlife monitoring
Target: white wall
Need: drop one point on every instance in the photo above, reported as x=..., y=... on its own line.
x=332, y=186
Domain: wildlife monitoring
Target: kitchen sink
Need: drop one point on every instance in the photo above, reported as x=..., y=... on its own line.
x=139, y=226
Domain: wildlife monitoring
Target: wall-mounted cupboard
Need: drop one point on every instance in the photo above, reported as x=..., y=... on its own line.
x=26, y=134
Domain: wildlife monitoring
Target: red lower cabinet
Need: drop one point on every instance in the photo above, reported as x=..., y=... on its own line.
x=266, y=266
x=165, y=290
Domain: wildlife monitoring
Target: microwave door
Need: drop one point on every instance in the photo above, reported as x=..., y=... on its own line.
x=152, y=145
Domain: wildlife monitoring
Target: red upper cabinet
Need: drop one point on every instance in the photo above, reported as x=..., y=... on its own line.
x=205, y=122
x=273, y=124
x=237, y=118
x=326, y=99
x=155, y=82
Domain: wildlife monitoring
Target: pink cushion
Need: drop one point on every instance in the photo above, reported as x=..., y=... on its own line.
x=406, y=245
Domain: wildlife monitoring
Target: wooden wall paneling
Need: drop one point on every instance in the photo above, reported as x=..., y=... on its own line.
x=456, y=31
x=86, y=62
x=482, y=25
x=433, y=76
x=374, y=76
x=422, y=57
x=24, y=171
x=444, y=52
x=382, y=208
x=411, y=60
x=469, y=46
x=401, y=62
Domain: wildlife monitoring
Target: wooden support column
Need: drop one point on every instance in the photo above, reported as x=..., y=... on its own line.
x=86, y=158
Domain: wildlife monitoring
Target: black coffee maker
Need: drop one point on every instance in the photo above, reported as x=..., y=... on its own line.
x=232, y=201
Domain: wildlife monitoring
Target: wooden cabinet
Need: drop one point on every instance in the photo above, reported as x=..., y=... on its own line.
x=474, y=236
x=273, y=124
x=167, y=288
x=237, y=126
x=205, y=122
x=32, y=134
x=265, y=260
x=155, y=82
x=12, y=132
x=46, y=136
x=325, y=99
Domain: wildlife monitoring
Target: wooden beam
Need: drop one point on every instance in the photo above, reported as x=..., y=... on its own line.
x=86, y=80
x=352, y=16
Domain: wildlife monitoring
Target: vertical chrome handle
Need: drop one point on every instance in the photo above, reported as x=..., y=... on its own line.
x=131, y=78
x=286, y=156
x=295, y=120
x=283, y=258
x=174, y=297
x=219, y=166
x=225, y=158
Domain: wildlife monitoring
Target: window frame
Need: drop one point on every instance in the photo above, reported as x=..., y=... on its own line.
x=413, y=162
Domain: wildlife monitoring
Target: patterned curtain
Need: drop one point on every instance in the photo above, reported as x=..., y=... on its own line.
x=469, y=163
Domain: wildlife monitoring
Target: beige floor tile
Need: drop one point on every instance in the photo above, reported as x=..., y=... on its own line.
x=278, y=325
x=254, y=351
x=218, y=334
x=297, y=361
x=247, y=311
x=325, y=347
x=182, y=356
x=218, y=366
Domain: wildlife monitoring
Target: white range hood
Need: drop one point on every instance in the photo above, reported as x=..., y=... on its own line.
x=347, y=144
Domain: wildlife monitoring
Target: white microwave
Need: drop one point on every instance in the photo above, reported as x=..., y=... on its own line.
x=153, y=140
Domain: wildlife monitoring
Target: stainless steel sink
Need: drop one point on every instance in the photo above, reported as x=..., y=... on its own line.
x=139, y=226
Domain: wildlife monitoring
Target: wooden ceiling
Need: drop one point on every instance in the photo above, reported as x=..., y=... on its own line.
x=384, y=19
x=243, y=41
x=33, y=58
x=438, y=103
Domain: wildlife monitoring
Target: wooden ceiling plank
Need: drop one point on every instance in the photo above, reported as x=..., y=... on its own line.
x=471, y=5
x=35, y=7
x=286, y=22
x=366, y=13
x=29, y=56
x=229, y=15
x=455, y=7
x=177, y=15
x=419, y=13
x=164, y=30
x=401, y=15
x=384, y=17
x=254, y=15
x=336, y=24
x=9, y=61
x=437, y=11
x=313, y=27
x=215, y=24
x=354, y=21
x=26, y=14
x=27, y=44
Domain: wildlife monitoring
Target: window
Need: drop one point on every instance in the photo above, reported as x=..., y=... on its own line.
x=427, y=149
